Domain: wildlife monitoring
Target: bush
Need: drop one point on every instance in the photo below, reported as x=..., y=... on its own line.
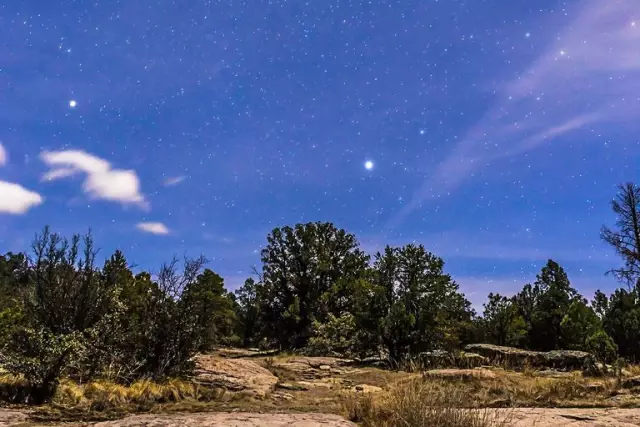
x=338, y=336
x=40, y=357
x=602, y=347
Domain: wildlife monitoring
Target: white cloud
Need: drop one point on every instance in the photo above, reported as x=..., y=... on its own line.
x=169, y=182
x=102, y=182
x=153, y=227
x=16, y=200
x=58, y=173
x=3, y=156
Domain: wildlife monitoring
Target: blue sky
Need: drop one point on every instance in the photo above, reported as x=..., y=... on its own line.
x=497, y=130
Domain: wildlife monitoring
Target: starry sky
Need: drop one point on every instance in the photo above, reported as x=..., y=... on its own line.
x=494, y=132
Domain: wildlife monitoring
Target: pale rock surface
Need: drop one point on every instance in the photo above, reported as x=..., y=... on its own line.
x=231, y=419
x=572, y=417
x=9, y=417
x=235, y=375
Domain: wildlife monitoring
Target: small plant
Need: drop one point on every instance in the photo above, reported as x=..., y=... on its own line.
x=269, y=362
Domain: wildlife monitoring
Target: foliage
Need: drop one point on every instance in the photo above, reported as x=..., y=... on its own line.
x=300, y=264
x=580, y=323
x=417, y=305
x=600, y=344
x=336, y=336
x=503, y=324
x=63, y=315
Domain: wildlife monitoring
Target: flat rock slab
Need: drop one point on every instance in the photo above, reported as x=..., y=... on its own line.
x=10, y=418
x=230, y=419
x=556, y=417
x=234, y=375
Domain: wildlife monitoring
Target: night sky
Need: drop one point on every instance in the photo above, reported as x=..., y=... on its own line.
x=494, y=132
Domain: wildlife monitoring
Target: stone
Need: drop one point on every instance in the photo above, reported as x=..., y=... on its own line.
x=235, y=375
x=567, y=359
x=292, y=386
x=366, y=388
x=518, y=358
x=9, y=417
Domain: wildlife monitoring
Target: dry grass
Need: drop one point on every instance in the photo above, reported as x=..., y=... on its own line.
x=419, y=403
x=105, y=395
x=531, y=389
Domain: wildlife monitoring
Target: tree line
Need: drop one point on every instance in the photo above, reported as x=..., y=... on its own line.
x=62, y=314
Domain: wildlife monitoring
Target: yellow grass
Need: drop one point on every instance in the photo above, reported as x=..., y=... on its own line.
x=419, y=403
x=103, y=395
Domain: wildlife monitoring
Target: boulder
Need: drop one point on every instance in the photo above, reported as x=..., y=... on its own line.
x=366, y=388
x=235, y=375
x=567, y=359
x=517, y=358
x=473, y=360
x=511, y=356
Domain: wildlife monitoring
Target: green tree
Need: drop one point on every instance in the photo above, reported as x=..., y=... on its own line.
x=300, y=264
x=600, y=344
x=544, y=305
x=248, y=298
x=621, y=321
x=66, y=302
x=419, y=306
x=503, y=323
x=212, y=311
x=579, y=324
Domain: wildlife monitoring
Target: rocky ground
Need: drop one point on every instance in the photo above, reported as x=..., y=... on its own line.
x=274, y=390
x=518, y=417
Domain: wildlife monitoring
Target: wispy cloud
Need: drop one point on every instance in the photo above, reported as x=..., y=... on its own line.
x=153, y=228
x=456, y=245
x=101, y=181
x=3, y=155
x=171, y=181
x=589, y=75
x=17, y=200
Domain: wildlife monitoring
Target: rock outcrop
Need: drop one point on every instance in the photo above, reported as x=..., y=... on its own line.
x=516, y=358
x=235, y=375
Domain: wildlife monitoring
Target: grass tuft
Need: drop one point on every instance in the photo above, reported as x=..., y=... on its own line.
x=419, y=403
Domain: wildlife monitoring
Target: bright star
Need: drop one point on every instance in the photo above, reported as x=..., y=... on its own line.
x=73, y=103
x=421, y=131
x=527, y=35
x=368, y=165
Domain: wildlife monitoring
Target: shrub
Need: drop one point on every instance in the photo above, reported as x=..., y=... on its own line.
x=338, y=336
